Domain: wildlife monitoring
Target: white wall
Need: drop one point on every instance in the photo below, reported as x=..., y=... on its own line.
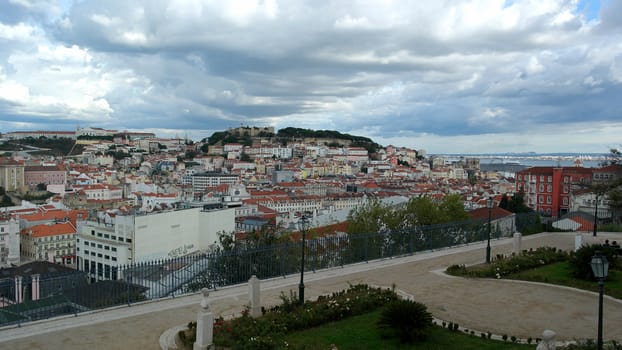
x=212, y=222
x=165, y=235
x=177, y=233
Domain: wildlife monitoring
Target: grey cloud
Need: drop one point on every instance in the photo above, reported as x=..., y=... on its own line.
x=349, y=66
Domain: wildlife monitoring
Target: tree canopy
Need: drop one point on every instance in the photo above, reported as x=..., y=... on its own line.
x=379, y=217
x=516, y=204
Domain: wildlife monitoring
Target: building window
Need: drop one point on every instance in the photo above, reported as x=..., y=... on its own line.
x=114, y=249
x=550, y=179
x=541, y=188
x=541, y=178
x=541, y=199
x=566, y=180
x=549, y=188
x=548, y=200
x=565, y=201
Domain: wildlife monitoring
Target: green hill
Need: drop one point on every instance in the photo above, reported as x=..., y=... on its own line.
x=290, y=134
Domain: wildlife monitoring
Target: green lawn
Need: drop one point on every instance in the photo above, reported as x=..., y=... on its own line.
x=559, y=273
x=360, y=333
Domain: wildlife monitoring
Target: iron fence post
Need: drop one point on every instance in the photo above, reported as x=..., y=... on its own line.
x=127, y=280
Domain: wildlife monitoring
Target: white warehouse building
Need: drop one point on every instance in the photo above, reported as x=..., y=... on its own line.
x=127, y=239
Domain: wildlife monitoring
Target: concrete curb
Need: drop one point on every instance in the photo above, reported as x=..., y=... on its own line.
x=167, y=339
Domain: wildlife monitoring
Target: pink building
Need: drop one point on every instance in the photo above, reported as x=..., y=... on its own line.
x=48, y=175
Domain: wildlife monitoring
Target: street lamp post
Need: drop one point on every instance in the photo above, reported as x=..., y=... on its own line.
x=489, y=203
x=596, y=215
x=600, y=268
x=304, y=224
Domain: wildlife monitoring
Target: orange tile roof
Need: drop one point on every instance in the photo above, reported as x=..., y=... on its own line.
x=57, y=214
x=50, y=230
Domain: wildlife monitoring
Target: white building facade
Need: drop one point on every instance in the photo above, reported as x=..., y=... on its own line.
x=101, y=247
x=9, y=242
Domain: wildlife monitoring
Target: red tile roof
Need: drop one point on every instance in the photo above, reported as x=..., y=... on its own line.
x=50, y=230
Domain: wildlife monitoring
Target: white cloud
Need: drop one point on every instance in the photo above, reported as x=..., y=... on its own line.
x=14, y=92
x=348, y=22
x=534, y=66
x=455, y=69
x=21, y=32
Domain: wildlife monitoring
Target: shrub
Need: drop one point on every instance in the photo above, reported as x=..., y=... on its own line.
x=188, y=336
x=405, y=319
x=502, y=266
x=246, y=332
x=580, y=260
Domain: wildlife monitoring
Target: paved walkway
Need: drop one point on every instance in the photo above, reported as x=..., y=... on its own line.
x=499, y=306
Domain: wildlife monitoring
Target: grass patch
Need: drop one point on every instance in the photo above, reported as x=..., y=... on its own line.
x=361, y=333
x=560, y=273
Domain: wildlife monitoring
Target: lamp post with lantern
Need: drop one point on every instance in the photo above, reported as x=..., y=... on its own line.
x=303, y=225
x=489, y=203
x=600, y=268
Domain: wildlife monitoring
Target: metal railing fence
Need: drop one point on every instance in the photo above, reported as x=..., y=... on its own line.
x=74, y=293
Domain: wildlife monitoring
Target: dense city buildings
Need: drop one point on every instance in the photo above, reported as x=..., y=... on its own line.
x=120, y=197
x=548, y=189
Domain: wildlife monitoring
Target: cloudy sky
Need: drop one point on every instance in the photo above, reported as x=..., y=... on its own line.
x=447, y=76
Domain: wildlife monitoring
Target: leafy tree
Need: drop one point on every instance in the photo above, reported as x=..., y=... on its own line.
x=580, y=260
x=613, y=158
x=6, y=201
x=516, y=204
x=367, y=218
x=267, y=235
x=472, y=179
x=424, y=212
x=41, y=187
x=205, y=147
x=2, y=191
x=190, y=154
x=613, y=191
x=452, y=208
x=245, y=157
x=118, y=155
x=377, y=217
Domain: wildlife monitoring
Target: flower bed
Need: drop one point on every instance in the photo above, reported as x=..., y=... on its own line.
x=266, y=332
x=505, y=265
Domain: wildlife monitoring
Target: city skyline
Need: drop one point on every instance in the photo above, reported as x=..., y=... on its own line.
x=448, y=77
